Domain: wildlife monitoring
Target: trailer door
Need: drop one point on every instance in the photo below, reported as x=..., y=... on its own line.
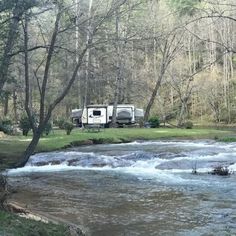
x=97, y=115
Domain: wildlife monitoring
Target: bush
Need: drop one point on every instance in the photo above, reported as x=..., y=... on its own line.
x=6, y=129
x=6, y=126
x=188, y=125
x=68, y=126
x=48, y=128
x=25, y=125
x=6, y=121
x=64, y=124
x=154, y=122
x=61, y=123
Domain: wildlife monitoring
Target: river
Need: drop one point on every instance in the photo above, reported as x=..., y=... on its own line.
x=139, y=188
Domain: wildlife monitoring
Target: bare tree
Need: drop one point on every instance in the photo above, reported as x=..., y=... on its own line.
x=168, y=48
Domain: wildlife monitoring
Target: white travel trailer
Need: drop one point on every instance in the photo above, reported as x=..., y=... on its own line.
x=102, y=115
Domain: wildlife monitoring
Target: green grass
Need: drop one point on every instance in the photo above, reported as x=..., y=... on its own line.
x=12, y=225
x=12, y=148
x=227, y=139
x=59, y=139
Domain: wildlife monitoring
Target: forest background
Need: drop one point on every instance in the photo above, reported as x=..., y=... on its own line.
x=174, y=58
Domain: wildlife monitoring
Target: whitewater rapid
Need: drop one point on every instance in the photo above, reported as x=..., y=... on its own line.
x=153, y=158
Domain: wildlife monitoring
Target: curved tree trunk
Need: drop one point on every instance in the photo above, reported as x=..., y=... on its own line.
x=31, y=148
x=181, y=115
x=152, y=99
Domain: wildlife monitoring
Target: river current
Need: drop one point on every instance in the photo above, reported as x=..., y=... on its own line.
x=139, y=188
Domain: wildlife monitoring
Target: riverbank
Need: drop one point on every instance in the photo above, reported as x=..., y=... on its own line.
x=13, y=147
x=13, y=225
x=20, y=221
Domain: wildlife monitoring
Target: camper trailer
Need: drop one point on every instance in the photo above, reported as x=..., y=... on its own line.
x=102, y=115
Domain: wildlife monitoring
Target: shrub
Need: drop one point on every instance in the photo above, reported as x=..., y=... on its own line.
x=6, y=126
x=154, y=122
x=61, y=123
x=188, y=125
x=68, y=126
x=48, y=128
x=6, y=129
x=6, y=121
x=25, y=125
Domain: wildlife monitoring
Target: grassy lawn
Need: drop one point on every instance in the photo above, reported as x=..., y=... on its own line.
x=59, y=139
x=12, y=148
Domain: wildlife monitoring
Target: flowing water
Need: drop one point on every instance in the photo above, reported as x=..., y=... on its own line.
x=140, y=188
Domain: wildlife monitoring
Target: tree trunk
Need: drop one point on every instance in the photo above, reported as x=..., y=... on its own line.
x=88, y=59
x=165, y=61
x=5, y=62
x=118, y=72
x=31, y=148
x=79, y=82
x=115, y=103
x=68, y=110
x=15, y=105
x=130, y=79
x=3, y=192
x=6, y=105
x=26, y=67
x=152, y=99
x=181, y=115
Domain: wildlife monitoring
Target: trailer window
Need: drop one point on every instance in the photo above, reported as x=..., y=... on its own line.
x=96, y=113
